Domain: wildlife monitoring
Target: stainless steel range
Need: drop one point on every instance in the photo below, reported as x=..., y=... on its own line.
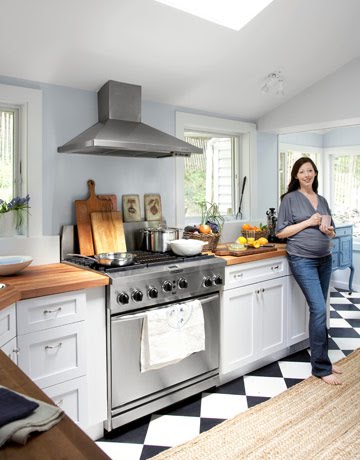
x=159, y=282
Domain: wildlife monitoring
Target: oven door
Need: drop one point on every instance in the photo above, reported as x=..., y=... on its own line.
x=130, y=386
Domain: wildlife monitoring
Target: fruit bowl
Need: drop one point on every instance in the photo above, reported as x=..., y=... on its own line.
x=9, y=265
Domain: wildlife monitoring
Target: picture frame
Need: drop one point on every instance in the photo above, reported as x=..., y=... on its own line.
x=152, y=206
x=131, y=208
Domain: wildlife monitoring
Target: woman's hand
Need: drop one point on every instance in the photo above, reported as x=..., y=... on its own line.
x=314, y=220
x=329, y=231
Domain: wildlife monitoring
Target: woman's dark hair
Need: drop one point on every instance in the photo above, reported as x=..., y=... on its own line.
x=294, y=183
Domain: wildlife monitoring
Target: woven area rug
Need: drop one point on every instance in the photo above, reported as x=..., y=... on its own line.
x=311, y=420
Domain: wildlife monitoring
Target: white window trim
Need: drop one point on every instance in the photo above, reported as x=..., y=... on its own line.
x=247, y=131
x=29, y=102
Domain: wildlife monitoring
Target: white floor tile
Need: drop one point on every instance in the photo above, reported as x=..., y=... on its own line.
x=357, y=329
x=216, y=405
x=339, y=322
x=336, y=355
x=339, y=300
x=295, y=370
x=121, y=451
x=347, y=344
x=263, y=386
x=171, y=430
x=350, y=314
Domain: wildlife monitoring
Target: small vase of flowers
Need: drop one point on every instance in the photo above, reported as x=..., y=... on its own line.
x=12, y=215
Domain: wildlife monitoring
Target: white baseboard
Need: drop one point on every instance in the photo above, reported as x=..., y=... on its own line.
x=344, y=285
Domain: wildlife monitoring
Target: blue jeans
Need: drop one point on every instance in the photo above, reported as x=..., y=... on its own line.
x=313, y=277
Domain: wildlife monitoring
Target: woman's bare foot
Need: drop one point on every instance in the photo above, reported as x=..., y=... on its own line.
x=336, y=369
x=331, y=379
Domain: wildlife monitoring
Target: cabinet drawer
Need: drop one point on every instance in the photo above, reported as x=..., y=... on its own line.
x=55, y=355
x=71, y=397
x=10, y=349
x=50, y=311
x=7, y=324
x=254, y=272
x=344, y=231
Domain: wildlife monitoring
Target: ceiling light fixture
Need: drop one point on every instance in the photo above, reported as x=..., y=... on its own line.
x=274, y=83
x=233, y=14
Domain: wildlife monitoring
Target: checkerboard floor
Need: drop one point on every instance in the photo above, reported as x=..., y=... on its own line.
x=174, y=425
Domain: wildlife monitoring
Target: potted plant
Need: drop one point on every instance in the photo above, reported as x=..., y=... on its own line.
x=12, y=215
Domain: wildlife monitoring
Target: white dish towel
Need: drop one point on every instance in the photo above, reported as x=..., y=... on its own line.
x=172, y=333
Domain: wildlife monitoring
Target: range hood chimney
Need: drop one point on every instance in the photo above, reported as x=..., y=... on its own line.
x=120, y=132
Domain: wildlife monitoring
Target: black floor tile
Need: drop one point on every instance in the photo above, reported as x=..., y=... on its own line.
x=347, y=332
x=335, y=314
x=151, y=451
x=271, y=370
x=235, y=387
x=134, y=432
x=344, y=307
x=335, y=294
x=189, y=407
x=292, y=382
x=355, y=300
x=353, y=322
x=301, y=356
x=208, y=423
x=255, y=400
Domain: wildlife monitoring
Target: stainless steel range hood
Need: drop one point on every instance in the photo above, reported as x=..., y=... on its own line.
x=120, y=132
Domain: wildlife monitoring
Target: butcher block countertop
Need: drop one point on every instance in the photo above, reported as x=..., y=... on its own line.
x=41, y=280
x=65, y=440
x=243, y=258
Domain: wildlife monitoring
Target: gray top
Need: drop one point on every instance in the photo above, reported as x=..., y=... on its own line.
x=310, y=242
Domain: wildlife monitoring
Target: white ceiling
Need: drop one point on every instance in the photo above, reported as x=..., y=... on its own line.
x=178, y=59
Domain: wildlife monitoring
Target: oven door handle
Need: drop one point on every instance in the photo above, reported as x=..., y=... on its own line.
x=142, y=315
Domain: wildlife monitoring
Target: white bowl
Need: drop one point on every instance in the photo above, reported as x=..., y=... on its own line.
x=9, y=265
x=187, y=247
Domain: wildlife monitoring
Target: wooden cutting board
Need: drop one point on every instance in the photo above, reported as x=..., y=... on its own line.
x=250, y=251
x=108, y=231
x=83, y=209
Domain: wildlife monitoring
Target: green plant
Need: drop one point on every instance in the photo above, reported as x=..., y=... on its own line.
x=210, y=215
x=18, y=205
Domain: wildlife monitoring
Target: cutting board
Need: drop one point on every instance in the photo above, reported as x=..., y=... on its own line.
x=83, y=209
x=251, y=251
x=108, y=231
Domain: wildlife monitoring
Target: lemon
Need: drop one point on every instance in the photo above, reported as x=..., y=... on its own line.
x=256, y=244
x=241, y=240
x=263, y=241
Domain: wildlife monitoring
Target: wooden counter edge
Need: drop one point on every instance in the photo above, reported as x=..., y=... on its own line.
x=41, y=280
x=65, y=436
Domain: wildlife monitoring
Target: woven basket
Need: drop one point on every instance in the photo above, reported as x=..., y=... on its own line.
x=212, y=239
x=259, y=234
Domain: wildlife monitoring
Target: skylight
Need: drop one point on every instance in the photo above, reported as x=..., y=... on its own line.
x=233, y=14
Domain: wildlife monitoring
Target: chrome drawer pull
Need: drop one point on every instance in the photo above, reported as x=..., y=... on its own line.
x=52, y=311
x=239, y=275
x=51, y=347
x=275, y=267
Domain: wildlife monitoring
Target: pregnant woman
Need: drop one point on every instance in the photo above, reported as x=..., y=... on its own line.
x=305, y=220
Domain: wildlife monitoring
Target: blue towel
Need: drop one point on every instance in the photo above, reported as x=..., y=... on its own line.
x=14, y=406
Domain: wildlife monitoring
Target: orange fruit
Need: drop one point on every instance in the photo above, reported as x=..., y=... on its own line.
x=205, y=229
x=262, y=241
x=246, y=227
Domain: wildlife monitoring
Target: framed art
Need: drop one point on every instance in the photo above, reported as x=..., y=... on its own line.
x=131, y=208
x=152, y=206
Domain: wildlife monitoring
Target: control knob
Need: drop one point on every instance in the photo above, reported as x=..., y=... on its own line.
x=123, y=298
x=153, y=292
x=167, y=286
x=207, y=282
x=183, y=283
x=218, y=280
x=137, y=295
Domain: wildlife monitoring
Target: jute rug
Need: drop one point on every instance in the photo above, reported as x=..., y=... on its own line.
x=311, y=420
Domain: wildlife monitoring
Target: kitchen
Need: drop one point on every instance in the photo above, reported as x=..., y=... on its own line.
x=58, y=179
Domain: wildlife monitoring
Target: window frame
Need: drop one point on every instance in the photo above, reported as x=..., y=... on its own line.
x=186, y=122
x=29, y=103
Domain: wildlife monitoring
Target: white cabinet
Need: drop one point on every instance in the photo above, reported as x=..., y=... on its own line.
x=298, y=314
x=8, y=332
x=54, y=349
x=253, y=323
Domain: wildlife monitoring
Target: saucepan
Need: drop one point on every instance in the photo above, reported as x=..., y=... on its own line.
x=115, y=259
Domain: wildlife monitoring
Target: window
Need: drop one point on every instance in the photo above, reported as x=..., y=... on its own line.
x=288, y=154
x=230, y=154
x=10, y=179
x=26, y=151
x=211, y=177
x=344, y=165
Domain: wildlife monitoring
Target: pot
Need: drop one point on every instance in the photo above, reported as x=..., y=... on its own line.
x=115, y=259
x=187, y=247
x=158, y=239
